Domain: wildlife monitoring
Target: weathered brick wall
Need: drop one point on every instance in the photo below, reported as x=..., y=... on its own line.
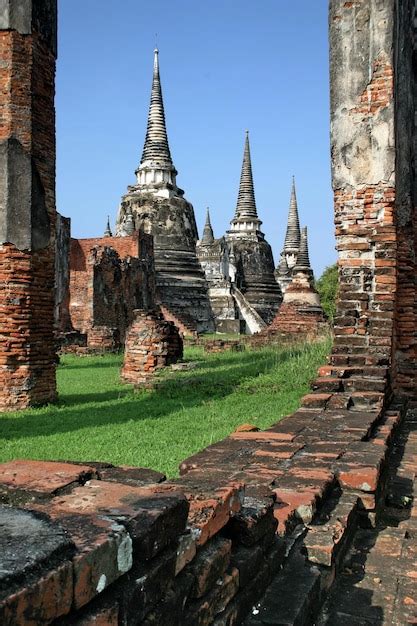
x=89, y=543
x=372, y=136
x=27, y=215
x=109, y=278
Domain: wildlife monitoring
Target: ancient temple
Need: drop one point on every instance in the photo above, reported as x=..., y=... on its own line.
x=157, y=205
x=253, y=261
x=289, y=254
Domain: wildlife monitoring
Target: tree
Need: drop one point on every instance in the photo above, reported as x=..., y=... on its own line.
x=327, y=286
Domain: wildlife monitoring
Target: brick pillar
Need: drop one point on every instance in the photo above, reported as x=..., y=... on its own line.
x=371, y=163
x=27, y=202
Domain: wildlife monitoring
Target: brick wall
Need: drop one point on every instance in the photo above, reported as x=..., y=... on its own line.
x=109, y=278
x=27, y=217
x=372, y=156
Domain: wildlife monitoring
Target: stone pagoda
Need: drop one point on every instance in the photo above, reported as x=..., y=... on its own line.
x=253, y=260
x=289, y=254
x=301, y=311
x=157, y=205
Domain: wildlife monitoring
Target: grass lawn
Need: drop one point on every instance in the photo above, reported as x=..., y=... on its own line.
x=98, y=418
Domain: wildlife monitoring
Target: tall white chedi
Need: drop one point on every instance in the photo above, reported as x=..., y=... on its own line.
x=157, y=205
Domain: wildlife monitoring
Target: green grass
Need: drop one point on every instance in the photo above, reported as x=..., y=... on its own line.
x=98, y=418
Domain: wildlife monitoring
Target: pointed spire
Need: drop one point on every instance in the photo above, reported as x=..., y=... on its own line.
x=129, y=224
x=292, y=237
x=246, y=205
x=303, y=259
x=208, y=236
x=107, y=232
x=156, y=142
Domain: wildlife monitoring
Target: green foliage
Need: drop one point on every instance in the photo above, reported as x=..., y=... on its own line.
x=327, y=286
x=98, y=418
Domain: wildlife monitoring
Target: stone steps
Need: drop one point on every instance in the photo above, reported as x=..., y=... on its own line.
x=313, y=570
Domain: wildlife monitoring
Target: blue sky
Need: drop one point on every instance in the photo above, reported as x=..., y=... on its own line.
x=226, y=65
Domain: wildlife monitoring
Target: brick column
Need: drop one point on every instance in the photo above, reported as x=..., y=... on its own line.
x=371, y=175
x=27, y=202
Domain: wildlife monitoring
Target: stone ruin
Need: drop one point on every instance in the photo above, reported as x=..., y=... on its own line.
x=152, y=343
x=258, y=527
x=291, y=249
x=109, y=278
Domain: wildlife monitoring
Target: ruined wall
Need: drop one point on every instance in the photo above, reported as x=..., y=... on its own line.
x=62, y=274
x=27, y=202
x=371, y=159
x=110, y=277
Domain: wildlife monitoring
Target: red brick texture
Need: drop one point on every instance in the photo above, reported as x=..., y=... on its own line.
x=110, y=277
x=151, y=344
x=27, y=354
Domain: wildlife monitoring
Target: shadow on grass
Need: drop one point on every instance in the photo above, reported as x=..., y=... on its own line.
x=86, y=363
x=184, y=390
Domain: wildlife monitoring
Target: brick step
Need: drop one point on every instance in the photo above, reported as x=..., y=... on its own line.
x=364, y=383
x=182, y=320
x=328, y=537
x=356, y=360
x=354, y=401
x=333, y=384
x=347, y=371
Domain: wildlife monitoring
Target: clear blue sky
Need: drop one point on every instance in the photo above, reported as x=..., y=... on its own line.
x=226, y=65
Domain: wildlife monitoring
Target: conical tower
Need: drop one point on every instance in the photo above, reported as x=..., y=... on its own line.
x=293, y=235
x=300, y=311
x=246, y=216
x=157, y=206
x=156, y=146
x=208, y=235
x=292, y=242
x=107, y=232
x=156, y=172
x=253, y=260
x=303, y=259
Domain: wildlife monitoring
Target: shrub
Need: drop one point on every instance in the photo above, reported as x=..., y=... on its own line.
x=327, y=286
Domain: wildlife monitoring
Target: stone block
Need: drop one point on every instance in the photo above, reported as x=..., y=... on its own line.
x=253, y=521
x=36, y=577
x=210, y=563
